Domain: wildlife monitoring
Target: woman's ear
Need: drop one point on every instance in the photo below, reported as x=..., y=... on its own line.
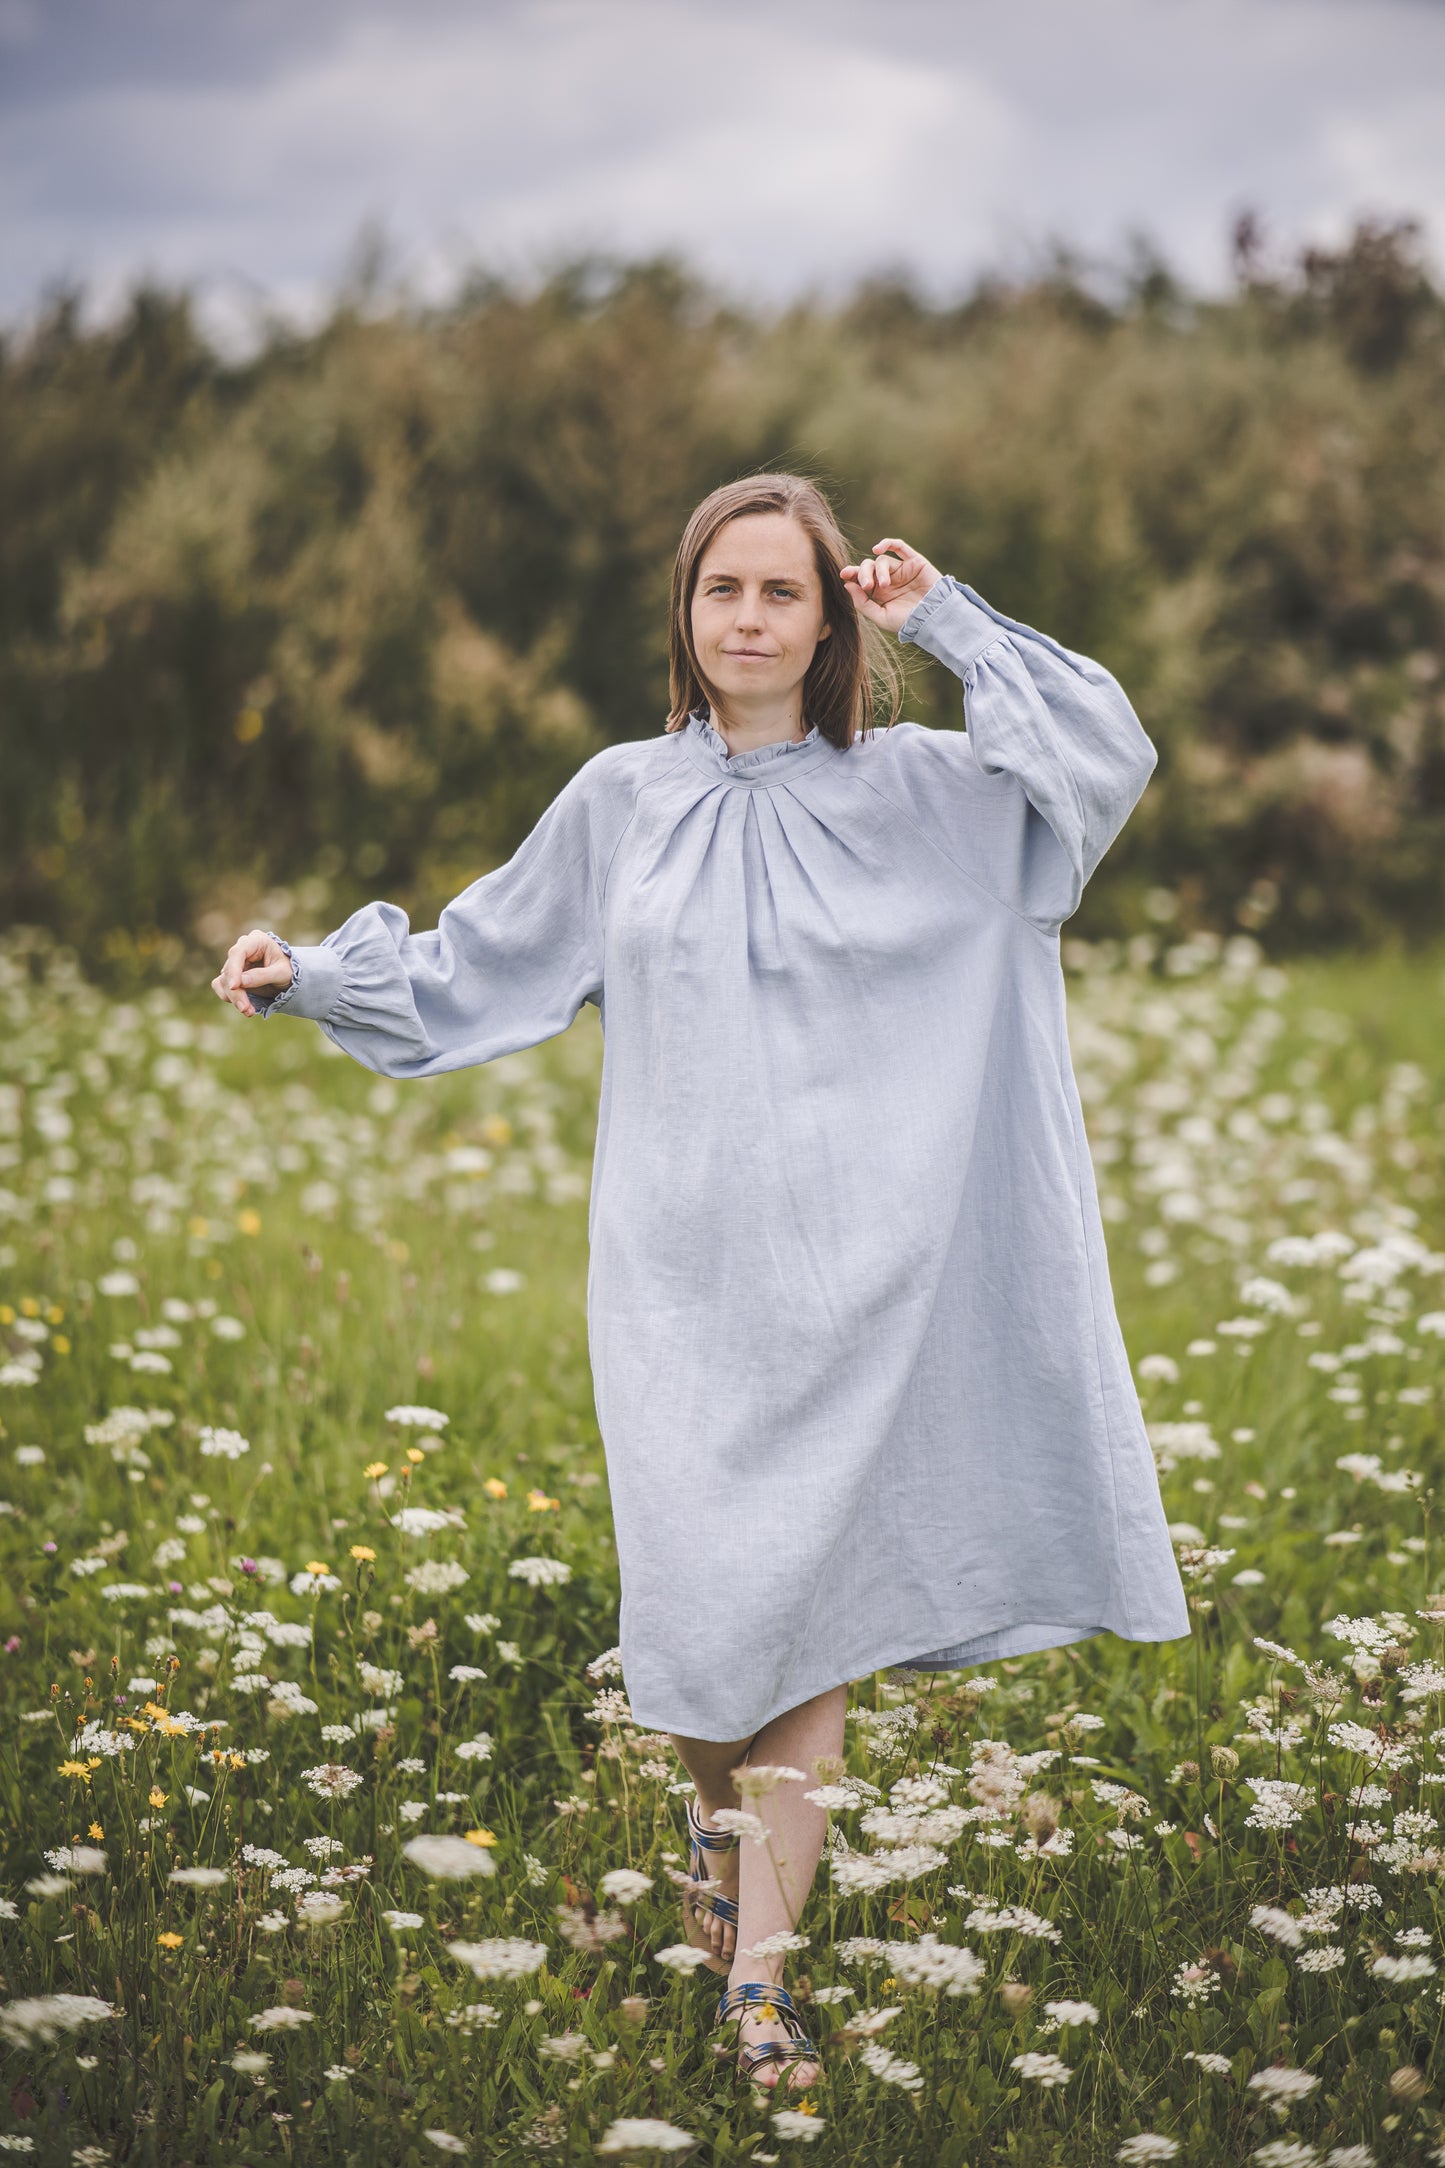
x=826, y=632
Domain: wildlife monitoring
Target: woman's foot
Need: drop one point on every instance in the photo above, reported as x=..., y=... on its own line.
x=760, y=2025
x=704, y=1929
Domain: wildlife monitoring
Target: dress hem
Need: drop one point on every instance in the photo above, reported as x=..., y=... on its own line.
x=1027, y=1638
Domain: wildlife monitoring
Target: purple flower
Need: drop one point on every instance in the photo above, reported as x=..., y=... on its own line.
x=176, y=1587
x=50, y=1549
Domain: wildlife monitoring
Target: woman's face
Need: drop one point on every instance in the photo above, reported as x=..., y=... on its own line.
x=757, y=610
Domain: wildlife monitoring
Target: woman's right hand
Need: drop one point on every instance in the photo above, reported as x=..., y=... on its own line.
x=257, y=959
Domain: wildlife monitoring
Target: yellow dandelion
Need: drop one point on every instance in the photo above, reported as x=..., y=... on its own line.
x=496, y=1129
x=539, y=1502
x=363, y=1553
x=415, y=1455
x=60, y=1343
x=7, y=1315
x=373, y=1469
x=482, y=1837
x=75, y=1769
x=170, y=1941
x=29, y=1307
x=55, y=1315
x=494, y=1487
x=157, y=1797
x=318, y=1566
x=96, y=1833
x=249, y=1222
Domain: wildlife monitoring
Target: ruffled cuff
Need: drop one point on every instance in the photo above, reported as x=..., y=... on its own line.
x=316, y=977
x=952, y=623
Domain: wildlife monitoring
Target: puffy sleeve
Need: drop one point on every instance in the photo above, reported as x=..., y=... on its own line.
x=510, y=963
x=1057, y=726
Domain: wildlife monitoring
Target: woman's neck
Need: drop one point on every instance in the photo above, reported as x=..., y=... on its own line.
x=745, y=733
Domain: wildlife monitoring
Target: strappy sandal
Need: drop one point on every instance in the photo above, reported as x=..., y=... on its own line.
x=699, y=1901
x=773, y=2002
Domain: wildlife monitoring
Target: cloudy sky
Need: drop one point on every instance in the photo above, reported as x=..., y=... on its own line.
x=240, y=145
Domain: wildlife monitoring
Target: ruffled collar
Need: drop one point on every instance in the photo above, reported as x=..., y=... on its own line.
x=707, y=735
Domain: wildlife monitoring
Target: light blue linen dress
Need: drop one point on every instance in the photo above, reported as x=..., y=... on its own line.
x=858, y=1371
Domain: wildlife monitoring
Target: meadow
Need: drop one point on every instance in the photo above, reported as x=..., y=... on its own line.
x=327, y=1836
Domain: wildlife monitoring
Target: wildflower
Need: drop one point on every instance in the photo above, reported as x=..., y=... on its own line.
x=76, y=1859
x=76, y=1769
x=200, y=1877
x=330, y=1780
x=1147, y=2146
x=281, y=2017
x=409, y=1418
x=481, y=1622
x=437, y=1577
x=737, y=1821
x=1045, y=2070
x=778, y=1945
x=540, y=1572
x=1280, y=2085
x=589, y=1930
x=801, y=2123
x=495, y=1487
x=466, y=1674
x=499, y=1957
x=399, y=1922
x=625, y=1885
x=477, y=1749
x=606, y=1666
x=680, y=1957
x=448, y=1859
x=890, y=2068
x=563, y=2047
x=223, y=1444
x=1072, y=2013
x=317, y=1908
x=1218, y=2066
x=643, y=2134
x=40, y=2019
x=373, y=1470
x=483, y=1837
x=421, y=1521
x=337, y=2074
x=170, y=1941
x=1404, y=1968
x=1284, y=1927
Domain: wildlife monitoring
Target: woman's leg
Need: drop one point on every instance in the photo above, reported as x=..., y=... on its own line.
x=710, y=1763
x=776, y=1876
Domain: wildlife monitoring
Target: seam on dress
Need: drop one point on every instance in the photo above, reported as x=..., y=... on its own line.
x=1124, y=1599
x=646, y=784
x=1044, y=932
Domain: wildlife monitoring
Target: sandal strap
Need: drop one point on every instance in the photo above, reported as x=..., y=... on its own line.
x=751, y=1994
x=773, y=2051
x=722, y=1908
x=710, y=1840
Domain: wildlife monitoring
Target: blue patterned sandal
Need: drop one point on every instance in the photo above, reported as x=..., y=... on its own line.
x=700, y=1901
x=773, y=2002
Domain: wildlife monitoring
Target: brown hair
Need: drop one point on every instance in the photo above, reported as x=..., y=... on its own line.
x=853, y=676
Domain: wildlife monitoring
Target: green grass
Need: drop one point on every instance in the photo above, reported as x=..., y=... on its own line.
x=349, y=1228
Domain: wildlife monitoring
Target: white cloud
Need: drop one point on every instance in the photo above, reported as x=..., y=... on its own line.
x=773, y=146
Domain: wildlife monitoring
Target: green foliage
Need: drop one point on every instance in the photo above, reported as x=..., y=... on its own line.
x=352, y=613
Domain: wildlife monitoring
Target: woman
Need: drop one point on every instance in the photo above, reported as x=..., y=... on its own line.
x=858, y=1373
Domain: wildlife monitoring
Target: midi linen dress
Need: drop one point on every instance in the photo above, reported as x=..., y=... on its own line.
x=860, y=1381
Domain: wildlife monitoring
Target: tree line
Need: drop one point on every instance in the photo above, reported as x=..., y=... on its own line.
x=344, y=616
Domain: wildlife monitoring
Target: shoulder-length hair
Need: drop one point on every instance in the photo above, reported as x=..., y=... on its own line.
x=856, y=674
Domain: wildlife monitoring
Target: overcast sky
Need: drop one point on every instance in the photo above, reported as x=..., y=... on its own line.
x=239, y=145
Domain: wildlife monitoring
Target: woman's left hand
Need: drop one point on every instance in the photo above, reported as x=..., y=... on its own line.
x=885, y=587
